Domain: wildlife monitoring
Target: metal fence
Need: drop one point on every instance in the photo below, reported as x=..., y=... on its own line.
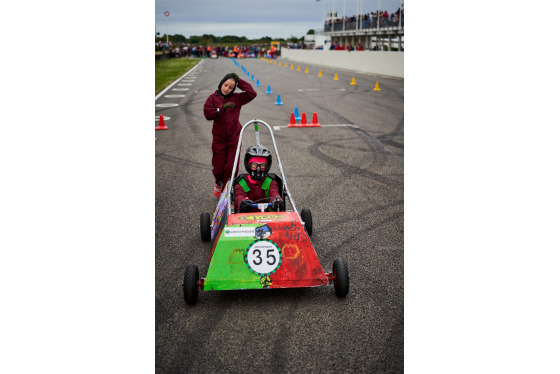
x=339, y=25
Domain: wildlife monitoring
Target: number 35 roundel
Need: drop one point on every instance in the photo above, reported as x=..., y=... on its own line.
x=263, y=257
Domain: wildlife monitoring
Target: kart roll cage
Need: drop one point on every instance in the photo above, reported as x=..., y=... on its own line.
x=284, y=184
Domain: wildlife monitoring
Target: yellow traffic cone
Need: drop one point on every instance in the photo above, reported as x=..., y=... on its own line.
x=353, y=83
x=286, y=65
x=306, y=71
x=320, y=73
x=376, y=87
x=298, y=69
x=292, y=66
x=335, y=77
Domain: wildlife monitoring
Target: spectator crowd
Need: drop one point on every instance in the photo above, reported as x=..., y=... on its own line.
x=368, y=20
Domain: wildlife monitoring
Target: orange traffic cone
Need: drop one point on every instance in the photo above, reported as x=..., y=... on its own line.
x=314, y=122
x=298, y=69
x=353, y=83
x=335, y=77
x=377, y=87
x=306, y=71
x=292, y=121
x=320, y=73
x=161, y=125
x=304, y=121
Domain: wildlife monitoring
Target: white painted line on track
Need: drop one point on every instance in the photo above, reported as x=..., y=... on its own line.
x=167, y=105
x=277, y=128
x=317, y=89
x=342, y=125
x=171, y=85
x=174, y=96
x=180, y=89
x=184, y=84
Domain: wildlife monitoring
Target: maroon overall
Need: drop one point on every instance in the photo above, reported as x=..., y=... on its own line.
x=226, y=129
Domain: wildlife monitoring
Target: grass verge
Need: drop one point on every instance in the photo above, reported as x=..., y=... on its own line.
x=168, y=71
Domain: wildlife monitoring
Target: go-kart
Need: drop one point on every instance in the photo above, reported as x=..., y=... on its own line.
x=263, y=250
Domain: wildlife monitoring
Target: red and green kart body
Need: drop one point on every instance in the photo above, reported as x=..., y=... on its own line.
x=261, y=250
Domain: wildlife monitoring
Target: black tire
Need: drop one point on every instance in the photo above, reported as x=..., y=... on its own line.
x=190, y=284
x=308, y=220
x=205, y=230
x=342, y=280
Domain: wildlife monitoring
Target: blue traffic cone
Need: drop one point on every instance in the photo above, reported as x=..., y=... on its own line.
x=252, y=77
x=268, y=90
x=278, y=101
x=296, y=114
x=258, y=84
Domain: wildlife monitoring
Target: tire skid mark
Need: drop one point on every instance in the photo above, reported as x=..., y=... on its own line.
x=194, y=343
x=348, y=169
x=182, y=161
x=393, y=352
x=335, y=248
x=378, y=143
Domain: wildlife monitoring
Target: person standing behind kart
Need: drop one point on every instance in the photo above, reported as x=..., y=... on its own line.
x=223, y=107
x=256, y=186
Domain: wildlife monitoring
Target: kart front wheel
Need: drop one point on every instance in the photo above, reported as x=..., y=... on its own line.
x=342, y=280
x=190, y=284
x=308, y=220
x=205, y=231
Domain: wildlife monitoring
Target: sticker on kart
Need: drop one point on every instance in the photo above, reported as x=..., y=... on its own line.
x=263, y=257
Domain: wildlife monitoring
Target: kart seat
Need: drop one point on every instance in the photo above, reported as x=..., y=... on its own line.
x=277, y=178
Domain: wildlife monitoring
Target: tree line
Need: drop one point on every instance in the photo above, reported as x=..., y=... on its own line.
x=208, y=39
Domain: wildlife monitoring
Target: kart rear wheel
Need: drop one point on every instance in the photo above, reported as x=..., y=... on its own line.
x=308, y=220
x=190, y=284
x=205, y=231
x=342, y=280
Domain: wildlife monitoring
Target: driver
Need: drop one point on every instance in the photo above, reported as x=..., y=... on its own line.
x=257, y=186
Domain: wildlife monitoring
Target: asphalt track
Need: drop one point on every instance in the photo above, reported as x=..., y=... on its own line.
x=349, y=173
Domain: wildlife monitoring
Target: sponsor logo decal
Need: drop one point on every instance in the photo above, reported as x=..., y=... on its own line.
x=263, y=217
x=239, y=231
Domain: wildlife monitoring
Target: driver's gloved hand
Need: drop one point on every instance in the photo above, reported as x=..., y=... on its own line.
x=246, y=205
x=278, y=204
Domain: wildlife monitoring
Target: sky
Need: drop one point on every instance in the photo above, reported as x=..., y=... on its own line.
x=254, y=18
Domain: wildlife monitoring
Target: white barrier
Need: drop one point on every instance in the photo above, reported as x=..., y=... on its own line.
x=370, y=62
